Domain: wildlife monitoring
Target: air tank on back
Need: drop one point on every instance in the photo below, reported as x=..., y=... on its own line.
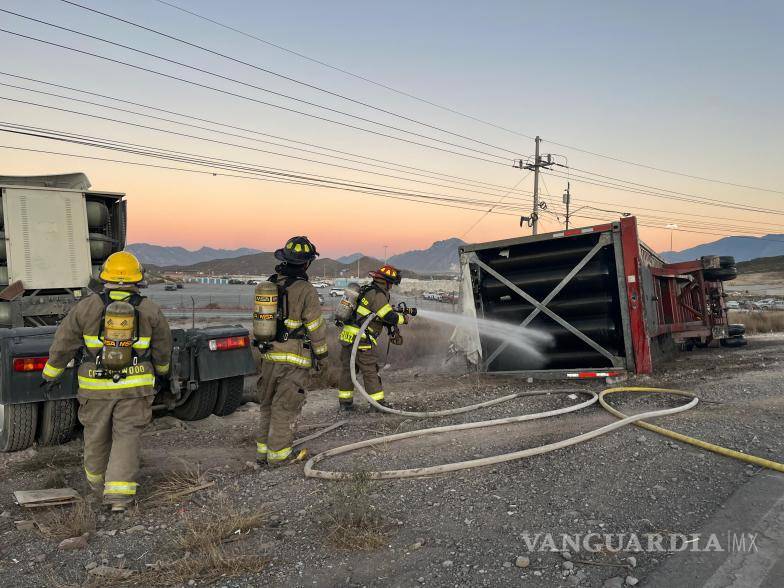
x=118, y=335
x=348, y=304
x=265, y=312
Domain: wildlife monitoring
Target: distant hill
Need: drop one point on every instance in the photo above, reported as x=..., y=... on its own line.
x=264, y=263
x=742, y=248
x=440, y=257
x=762, y=265
x=350, y=258
x=160, y=255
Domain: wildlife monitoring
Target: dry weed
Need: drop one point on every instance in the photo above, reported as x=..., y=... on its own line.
x=759, y=322
x=176, y=485
x=206, y=566
x=353, y=521
x=208, y=530
x=63, y=522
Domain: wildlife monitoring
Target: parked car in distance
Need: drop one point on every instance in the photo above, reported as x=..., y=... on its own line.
x=169, y=287
x=179, y=285
x=732, y=305
x=769, y=304
x=235, y=282
x=320, y=285
x=335, y=292
x=252, y=282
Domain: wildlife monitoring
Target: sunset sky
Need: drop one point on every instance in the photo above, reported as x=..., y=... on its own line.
x=694, y=87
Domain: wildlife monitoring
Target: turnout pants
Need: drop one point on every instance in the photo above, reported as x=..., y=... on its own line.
x=367, y=366
x=281, y=393
x=112, y=440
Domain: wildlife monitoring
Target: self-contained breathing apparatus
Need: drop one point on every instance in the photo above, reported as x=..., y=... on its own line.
x=346, y=311
x=119, y=331
x=271, y=314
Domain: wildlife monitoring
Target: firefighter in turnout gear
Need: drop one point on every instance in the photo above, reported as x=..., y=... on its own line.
x=126, y=342
x=299, y=344
x=373, y=297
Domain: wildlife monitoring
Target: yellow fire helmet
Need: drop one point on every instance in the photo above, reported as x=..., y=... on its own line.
x=122, y=268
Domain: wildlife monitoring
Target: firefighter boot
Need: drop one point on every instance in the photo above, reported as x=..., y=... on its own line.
x=286, y=456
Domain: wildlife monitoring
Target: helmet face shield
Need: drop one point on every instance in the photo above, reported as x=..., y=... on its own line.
x=297, y=251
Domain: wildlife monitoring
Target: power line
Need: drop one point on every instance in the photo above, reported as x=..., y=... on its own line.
x=282, y=76
x=185, y=157
x=46, y=152
x=250, y=99
x=692, y=199
x=456, y=180
x=489, y=210
x=229, y=144
x=344, y=71
x=453, y=110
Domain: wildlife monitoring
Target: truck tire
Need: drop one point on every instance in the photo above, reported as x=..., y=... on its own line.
x=17, y=426
x=229, y=395
x=57, y=421
x=738, y=341
x=200, y=403
x=726, y=261
x=736, y=329
x=722, y=274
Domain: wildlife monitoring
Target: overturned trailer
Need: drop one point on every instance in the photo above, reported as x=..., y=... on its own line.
x=612, y=306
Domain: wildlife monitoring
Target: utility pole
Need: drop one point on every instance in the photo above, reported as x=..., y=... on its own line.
x=567, y=199
x=385, y=253
x=539, y=162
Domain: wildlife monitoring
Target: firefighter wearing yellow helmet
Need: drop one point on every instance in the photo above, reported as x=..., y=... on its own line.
x=373, y=297
x=127, y=342
x=299, y=342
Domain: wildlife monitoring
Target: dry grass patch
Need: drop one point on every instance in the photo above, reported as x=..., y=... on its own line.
x=178, y=484
x=759, y=322
x=63, y=522
x=206, y=566
x=207, y=531
x=353, y=521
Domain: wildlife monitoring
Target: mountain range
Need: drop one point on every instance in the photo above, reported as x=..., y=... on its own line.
x=162, y=256
x=440, y=258
x=742, y=248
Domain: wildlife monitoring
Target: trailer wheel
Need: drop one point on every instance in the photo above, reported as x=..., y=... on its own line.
x=722, y=274
x=17, y=426
x=738, y=341
x=736, y=330
x=57, y=421
x=200, y=403
x=229, y=395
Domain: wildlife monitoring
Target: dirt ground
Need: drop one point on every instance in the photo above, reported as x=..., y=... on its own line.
x=255, y=526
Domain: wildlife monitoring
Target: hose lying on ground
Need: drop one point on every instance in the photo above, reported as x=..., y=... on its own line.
x=752, y=459
x=451, y=467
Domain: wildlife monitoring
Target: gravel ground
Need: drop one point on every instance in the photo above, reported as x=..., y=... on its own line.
x=466, y=528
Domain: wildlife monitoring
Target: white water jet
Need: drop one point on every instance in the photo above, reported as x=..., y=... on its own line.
x=528, y=342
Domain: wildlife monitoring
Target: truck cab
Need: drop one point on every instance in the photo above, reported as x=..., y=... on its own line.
x=55, y=233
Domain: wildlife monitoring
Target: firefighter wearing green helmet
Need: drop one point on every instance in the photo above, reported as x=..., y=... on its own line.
x=300, y=341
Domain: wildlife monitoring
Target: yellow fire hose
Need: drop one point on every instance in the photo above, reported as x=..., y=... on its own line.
x=624, y=420
x=753, y=459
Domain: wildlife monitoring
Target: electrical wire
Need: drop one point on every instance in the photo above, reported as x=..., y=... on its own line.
x=229, y=144
x=283, y=76
x=494, y=206
x=449, y=109
x=435, y=174
x=254, y=100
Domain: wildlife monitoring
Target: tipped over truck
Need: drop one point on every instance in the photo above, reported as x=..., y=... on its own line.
x=612, y=306
x=56, y=233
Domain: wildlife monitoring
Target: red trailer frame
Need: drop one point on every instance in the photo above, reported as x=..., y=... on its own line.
x=661, y=304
